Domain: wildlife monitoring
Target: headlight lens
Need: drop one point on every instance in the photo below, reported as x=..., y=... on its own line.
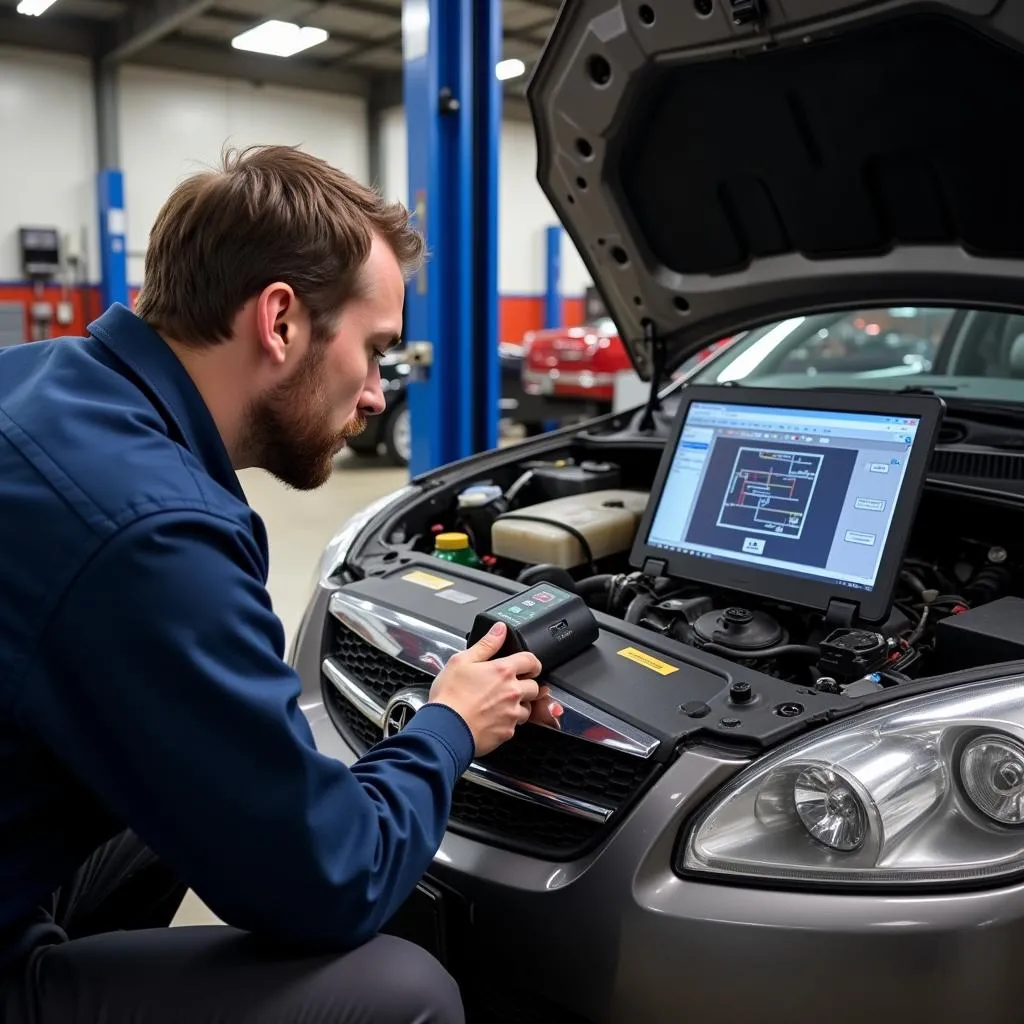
x=926, y=790
x=992, y=768
x=337, y=549
x=830, y=808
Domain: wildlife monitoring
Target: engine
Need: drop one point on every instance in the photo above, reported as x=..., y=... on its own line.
x=573, y=522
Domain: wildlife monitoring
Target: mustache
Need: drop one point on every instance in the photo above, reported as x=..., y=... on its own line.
x=354, y=427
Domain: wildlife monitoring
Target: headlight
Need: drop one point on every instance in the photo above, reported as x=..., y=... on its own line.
x=338, y=548
x=928, y=790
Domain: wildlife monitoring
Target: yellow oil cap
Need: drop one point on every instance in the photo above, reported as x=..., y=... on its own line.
x=451, y=541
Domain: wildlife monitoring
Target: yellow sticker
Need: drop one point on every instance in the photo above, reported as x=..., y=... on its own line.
x=661, y=667
x=424, y=579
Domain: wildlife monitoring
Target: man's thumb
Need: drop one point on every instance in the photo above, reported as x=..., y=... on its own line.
x=489, y=644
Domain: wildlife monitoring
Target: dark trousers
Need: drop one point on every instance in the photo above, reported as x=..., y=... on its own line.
x=122, y=963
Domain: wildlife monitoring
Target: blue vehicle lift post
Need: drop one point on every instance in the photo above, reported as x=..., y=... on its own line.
x=453, y=120
x=110, y=189
x=553, y=271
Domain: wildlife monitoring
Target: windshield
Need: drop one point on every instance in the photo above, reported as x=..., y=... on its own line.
x=972, y=354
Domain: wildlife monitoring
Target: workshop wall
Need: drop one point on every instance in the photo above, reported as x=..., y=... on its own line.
x=525, y=214
x=193, y=117
x=172, y=124
x=48, y=173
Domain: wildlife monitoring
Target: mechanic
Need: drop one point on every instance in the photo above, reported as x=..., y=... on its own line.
x=150, y=735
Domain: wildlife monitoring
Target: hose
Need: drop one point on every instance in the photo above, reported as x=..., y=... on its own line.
x=637, y=607
x=596, y=587
x=803, y=650
x=548, y=573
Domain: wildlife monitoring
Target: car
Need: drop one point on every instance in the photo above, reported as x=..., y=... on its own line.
x=578, y=366
x=576, y=363
x=788, y=783
x=391, y=431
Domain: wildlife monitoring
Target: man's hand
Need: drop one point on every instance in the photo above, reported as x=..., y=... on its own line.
x=493, y=697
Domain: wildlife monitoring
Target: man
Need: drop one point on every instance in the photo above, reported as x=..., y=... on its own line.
x=150, y=737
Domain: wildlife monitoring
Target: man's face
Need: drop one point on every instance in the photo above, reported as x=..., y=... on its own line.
x=298, y=427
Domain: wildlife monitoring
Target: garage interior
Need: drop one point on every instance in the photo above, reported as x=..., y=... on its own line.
x=708, y=391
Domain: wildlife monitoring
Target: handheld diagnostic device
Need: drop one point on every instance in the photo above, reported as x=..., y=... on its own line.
x=805, y=497
x=551, y=623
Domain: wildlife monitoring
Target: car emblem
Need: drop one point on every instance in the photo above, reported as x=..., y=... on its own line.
x=400, y=710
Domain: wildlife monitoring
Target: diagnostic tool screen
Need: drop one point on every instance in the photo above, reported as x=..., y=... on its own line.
x=525, y=607
x=794, y=491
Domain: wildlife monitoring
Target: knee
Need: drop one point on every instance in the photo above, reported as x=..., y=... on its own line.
x=415, y=988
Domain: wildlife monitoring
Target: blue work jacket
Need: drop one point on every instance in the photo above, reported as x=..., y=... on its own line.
x=142, y=675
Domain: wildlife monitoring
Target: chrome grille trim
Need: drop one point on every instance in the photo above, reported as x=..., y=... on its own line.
x=426, y=647
x=478, y=774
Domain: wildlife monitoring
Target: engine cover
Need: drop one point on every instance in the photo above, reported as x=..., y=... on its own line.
x=630, y=680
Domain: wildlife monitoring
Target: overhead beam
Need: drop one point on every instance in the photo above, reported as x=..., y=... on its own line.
x=143, y=26
x=253, y=67
x=59, y=35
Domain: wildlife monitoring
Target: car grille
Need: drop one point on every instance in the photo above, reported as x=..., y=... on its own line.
x=560, y=763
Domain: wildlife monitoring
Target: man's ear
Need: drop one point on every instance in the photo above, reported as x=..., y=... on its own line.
x=276, y=312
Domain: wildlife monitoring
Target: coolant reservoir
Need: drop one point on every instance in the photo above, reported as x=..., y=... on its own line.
x=607, y=520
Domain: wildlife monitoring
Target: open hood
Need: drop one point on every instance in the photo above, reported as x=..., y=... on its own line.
x=723, y=163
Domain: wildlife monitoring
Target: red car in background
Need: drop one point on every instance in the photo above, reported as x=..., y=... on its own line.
x=580, y=364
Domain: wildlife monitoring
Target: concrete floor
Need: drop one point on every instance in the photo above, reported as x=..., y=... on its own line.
x=299, y=525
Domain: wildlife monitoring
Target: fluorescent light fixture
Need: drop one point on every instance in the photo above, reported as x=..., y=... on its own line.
x=506, y=69
x=34, y=7
x=279, y=38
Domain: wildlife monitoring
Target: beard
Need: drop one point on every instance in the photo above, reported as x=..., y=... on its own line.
x=288, y=431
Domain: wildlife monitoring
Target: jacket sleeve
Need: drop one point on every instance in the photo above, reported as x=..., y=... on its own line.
x=161, y=685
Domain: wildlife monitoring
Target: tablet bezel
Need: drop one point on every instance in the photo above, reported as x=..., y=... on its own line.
x=870, y=605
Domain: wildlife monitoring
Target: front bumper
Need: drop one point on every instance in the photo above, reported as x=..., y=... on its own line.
x=617, y=936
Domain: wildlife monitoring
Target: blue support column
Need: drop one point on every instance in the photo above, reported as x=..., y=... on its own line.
x=553, y=273
x=113, y=250
x=453, y=121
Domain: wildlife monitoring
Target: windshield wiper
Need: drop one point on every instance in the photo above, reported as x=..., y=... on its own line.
x=996, y=414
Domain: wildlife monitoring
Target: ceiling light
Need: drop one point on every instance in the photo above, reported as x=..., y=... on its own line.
x=279, y=38
x=34, y=7
x=506, y=69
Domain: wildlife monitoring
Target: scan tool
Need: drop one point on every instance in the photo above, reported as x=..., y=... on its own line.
x=549, y=622
x=797, y=496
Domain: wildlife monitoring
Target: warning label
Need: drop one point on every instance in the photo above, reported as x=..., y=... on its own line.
x=663, y=668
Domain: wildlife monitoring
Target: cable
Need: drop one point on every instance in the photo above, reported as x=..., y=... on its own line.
x=518, y=485
x=588, y=554
x=804, y=650
x=920, y=628
x=913, y=581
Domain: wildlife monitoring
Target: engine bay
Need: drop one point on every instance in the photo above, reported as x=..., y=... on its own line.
x=574, y=516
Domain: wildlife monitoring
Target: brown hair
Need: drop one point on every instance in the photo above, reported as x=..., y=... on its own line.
x=270, y=213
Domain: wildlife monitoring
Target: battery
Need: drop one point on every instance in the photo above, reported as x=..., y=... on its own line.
x=986, y=635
